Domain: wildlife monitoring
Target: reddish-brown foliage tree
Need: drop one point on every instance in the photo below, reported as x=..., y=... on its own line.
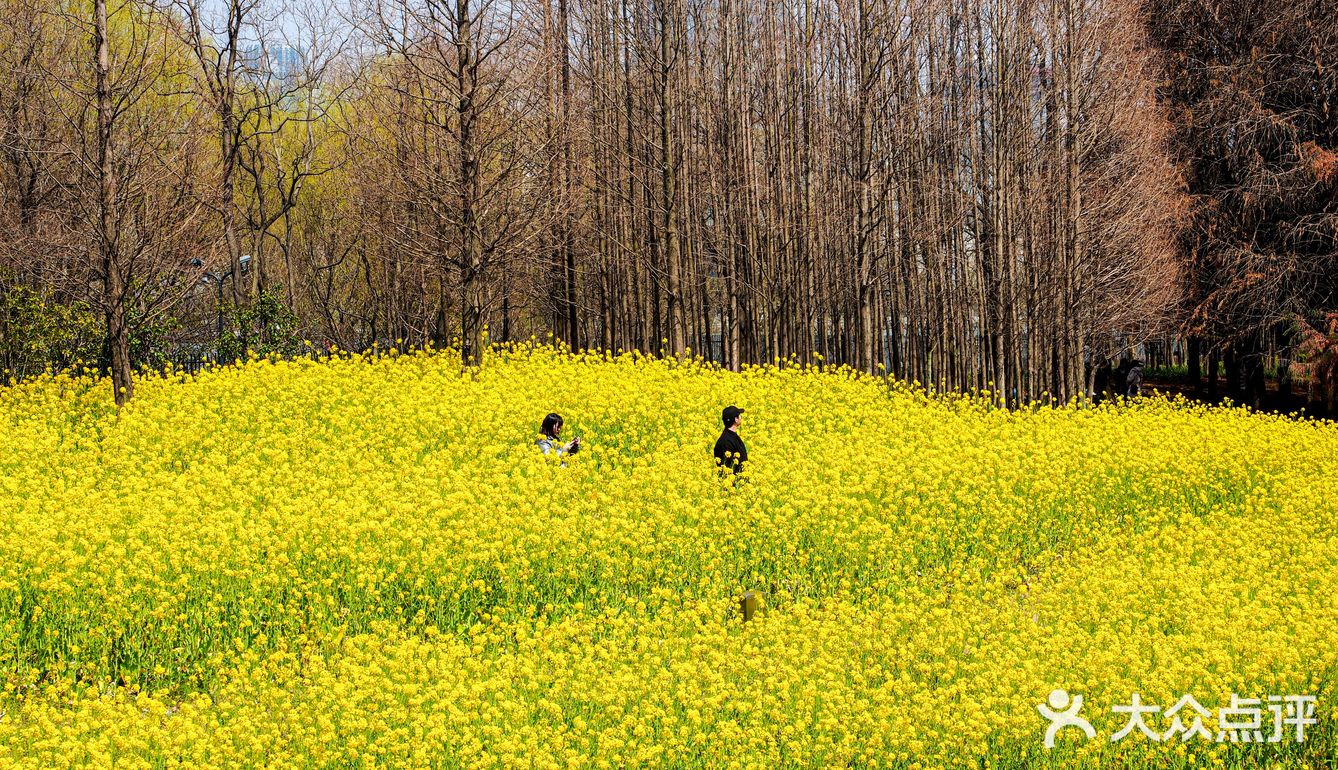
x=1252, y=89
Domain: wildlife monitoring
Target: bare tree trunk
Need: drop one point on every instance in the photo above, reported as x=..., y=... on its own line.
x=118, y=332
x=668, y=179
x=1195, y=375
x=568, y=193
x=470, y=259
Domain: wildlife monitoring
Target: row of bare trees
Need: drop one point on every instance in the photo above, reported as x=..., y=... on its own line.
x=967, y=194
x=963, y=193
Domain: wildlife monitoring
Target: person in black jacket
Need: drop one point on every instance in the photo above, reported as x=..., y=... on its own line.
x=729, y=449
x=1133, y=379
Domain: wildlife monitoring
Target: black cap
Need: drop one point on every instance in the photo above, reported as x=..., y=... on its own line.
x=730, y=414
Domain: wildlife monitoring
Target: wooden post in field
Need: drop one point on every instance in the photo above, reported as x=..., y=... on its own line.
x=750, y=604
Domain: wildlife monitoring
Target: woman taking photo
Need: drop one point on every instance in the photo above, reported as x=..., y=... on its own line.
x=548, y=437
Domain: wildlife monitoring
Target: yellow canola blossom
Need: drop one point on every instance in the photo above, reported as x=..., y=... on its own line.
x=366, y=562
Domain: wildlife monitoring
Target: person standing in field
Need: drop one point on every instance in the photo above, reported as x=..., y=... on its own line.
x=1120, y=386
x=548, y=440
x=1133, y=379
x=1103, y=386
x=729, y=449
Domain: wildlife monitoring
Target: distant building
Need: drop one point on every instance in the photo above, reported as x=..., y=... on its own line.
x=282, y=63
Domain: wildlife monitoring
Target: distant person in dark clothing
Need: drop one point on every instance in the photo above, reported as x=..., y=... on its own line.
x=1133, y=380
x=1120, y=384
x=1102, y=386
x=729, y=449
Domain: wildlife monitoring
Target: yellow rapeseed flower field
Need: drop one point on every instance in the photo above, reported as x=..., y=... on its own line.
x=364, y=561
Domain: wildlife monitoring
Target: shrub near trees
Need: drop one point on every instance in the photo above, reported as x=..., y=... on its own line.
x=37, y=333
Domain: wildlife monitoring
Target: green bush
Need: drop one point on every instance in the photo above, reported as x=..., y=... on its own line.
x=37, y=332
x=265, y=326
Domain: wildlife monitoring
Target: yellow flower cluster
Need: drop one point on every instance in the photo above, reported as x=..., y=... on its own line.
x=365, y=561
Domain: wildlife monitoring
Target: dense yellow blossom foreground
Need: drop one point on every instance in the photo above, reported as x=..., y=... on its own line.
x=366, y=562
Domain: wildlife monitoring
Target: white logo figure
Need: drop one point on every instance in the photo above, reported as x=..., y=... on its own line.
x=1061, y=714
